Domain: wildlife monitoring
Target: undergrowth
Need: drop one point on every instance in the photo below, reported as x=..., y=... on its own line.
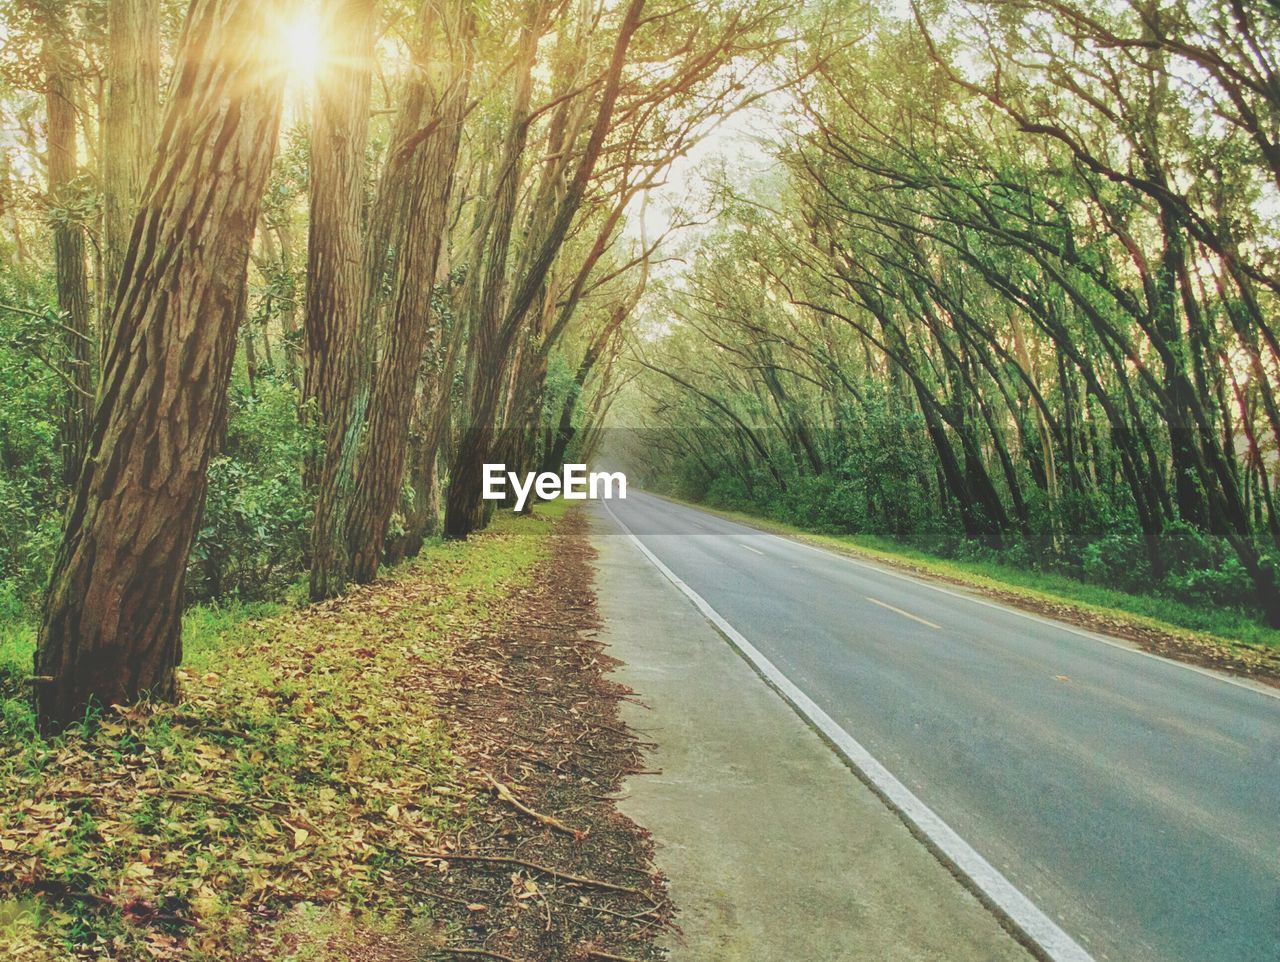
x=300, y=765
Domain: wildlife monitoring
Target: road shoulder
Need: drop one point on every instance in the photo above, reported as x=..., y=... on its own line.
x=774, y=849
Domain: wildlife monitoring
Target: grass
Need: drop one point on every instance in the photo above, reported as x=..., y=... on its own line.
x=304, y=760
x=1218, y=626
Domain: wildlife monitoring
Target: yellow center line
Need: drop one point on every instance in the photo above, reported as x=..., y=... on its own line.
x=905, y=614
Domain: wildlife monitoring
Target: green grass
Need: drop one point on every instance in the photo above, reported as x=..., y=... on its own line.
x=1157, y=613
x=305, y=758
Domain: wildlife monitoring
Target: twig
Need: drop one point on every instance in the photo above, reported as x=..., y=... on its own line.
x=533, y=866
x=632, y=917
x=509, y=797
x=58, y=372
x=207, y=727
x=534, y=623
x=140, y=911
x=23, y=310
x=257, y=804
x=596, y=954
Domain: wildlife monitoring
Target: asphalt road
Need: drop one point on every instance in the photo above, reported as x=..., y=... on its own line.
x=1135, y=801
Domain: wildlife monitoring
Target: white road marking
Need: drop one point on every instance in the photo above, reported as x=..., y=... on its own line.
x=1256, y=687
x=1014, y=908
x=905, y=614
x=749, y=548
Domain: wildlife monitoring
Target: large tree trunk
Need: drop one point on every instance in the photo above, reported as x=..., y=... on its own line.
x=112, y=614
x=130, y=121
x=69, y=255
x=335, y=325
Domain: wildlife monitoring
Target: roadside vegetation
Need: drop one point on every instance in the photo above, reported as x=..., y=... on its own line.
x=304, y=755
x=304, y=764
x=422, y=259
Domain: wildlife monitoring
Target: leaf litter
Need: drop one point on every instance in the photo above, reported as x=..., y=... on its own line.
x=429, y=761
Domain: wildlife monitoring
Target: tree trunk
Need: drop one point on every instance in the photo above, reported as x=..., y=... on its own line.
x=422, y=520
x=497, y=327
x=130, y=121
x=69, y=255
x=425, y=216
x=464, y=509
x=110, y=630
x=335, y=325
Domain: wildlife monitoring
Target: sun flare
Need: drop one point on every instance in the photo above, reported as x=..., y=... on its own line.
x=302, y=46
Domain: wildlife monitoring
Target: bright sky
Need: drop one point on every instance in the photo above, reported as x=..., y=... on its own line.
x=737, y=149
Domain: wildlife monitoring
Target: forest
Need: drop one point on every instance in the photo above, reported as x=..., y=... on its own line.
x=1006, y=290
x=992, y=280
x=272, y=272
x=279, y=279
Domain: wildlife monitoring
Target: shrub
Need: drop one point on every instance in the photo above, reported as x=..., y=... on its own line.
x=825, y=503
x=31, y=491
x=728, y=491
x=1118, y=560
x=1183, y=549
x=1227, y=585
x=256, y=519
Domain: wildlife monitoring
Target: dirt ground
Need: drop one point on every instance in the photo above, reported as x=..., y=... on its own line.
x=549, y=869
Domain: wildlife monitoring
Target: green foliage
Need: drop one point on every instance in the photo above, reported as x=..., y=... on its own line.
x=1004, y=348
x=30, y=465
x=1119, y=559
x=559, y=386
x=301, y=761
x=257, y=515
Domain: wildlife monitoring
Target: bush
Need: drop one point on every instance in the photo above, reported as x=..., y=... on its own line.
x=1118, y=560
x=1183, y=549
x=825, y=503
x=728, y=492
x=256, y=519
x=1227, y=585
x=31, y=491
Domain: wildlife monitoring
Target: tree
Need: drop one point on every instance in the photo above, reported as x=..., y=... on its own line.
x=424, y=158
x=1023, y=253
x=130, y=119
x=110, y=627
x=500, y=318
x=336, y=326
x=69, y=245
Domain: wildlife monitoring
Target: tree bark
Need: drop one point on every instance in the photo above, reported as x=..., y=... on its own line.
x=69, y=254
x=424, y=219
x=335, y=324
x=130, y=122
x=110, y=630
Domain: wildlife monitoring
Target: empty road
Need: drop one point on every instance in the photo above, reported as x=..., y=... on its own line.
x=1135, y=802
